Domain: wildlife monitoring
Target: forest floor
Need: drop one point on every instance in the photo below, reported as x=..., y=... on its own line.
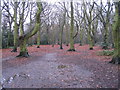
x=50, y=67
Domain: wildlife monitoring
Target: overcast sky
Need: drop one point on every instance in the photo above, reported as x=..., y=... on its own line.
x=54, y=1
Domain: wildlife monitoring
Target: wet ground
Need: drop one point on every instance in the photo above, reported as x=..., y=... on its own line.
x=49, y=67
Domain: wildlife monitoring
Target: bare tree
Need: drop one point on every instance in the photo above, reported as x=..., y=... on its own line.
x=104, y=17
x=72, y=28
x=23, y=39
x=62, y=24
x=89, y=18
x=9, y=16
x=16, y=27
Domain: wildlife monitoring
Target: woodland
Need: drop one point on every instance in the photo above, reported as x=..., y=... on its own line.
x=79, y=38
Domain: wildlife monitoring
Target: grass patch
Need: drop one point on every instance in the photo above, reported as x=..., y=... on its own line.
x=62, y=66
x=11, y=47
x=105, y=53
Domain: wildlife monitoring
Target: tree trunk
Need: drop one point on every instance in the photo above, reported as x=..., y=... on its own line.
x=38, y=39
x=58, y=41
x=0, y=34
x=61, y=33
x=53, y=39
x=61, y=37
x=67, y=35
x=105, y=42
x=90, y=38
x=25, y=37
x=90, y=42
x=72, y=29
x=90, y=29
x=15, y=29
x=116, y=35
x=47, y=37
x=15, y=38
x=81, y=37
x=30, y=39
x=62, y=27
x=23, y=48
x=9, y=42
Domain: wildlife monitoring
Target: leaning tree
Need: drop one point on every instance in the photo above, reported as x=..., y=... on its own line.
x=24, y=38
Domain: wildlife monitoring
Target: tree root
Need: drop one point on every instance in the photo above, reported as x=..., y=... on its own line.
x=105, y=47
x=14, y=50
x=61, y=48
x=67, y=45
x=115, y=60
x=52, y=45
x=23, y=54
x=38, y=46
x=71, y=50
x=90, y=48
x=80, y=44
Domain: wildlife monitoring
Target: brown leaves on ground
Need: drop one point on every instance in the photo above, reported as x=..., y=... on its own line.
x=104, y=74
x=80, y=50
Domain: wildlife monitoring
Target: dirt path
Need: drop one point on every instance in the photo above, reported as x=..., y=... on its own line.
x=46, y=72
x=59, y=69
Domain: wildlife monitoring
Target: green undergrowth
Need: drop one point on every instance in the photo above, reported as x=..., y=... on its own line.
x=105, y=53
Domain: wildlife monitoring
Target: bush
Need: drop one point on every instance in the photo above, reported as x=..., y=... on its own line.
x=105, y=53
x=104, y=45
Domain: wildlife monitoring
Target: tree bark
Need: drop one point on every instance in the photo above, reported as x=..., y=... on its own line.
x=90, y=41
x=116, y=35
x=10, y=21
x=31, y=9
x=61, y=38
x=90, y=29
x=62, y=26
x=81, y=37
x=105, y=19
x=105, y=44
x=53, y=37
x=25, y=37
x=23, y=48
x=9, y=36
x=61, y=33
x=38, y=39
x=67, y=35
x=72, y=29
x=47, y=36
x=0, y=30
x=15, y=29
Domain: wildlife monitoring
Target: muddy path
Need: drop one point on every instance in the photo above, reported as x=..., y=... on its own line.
x=59, y=69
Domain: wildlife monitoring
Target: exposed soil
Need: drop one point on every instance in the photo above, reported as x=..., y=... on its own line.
x=51, y=67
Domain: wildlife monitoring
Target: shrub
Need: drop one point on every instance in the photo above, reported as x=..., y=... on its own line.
x=105, y=53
